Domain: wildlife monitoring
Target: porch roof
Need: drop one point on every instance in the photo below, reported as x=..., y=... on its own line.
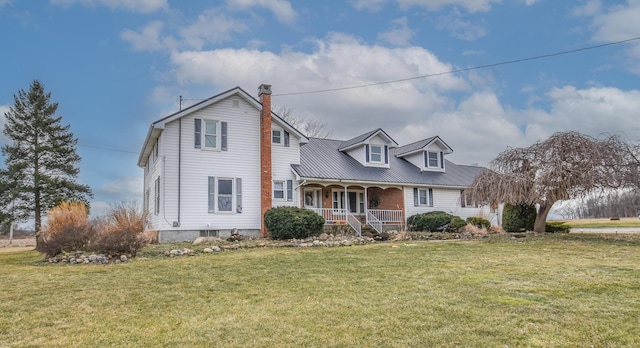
x=321, y=159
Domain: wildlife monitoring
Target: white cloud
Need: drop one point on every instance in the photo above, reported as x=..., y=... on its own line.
x=433, y=5
x=368, y=5
x=212, y=26
x=282, y=9
x=461, y=29
x=620, y=22
x=149, y=38
x=141, y=6
x=399, y=35
x=587, y=9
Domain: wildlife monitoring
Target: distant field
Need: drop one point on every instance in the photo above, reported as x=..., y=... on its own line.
x=555, y=290
x=603, y=223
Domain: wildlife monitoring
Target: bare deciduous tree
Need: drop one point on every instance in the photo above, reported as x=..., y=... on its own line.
x=310, y=127
x=567, y=165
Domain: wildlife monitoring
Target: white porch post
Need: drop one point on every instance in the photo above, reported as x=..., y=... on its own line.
x=366, y=204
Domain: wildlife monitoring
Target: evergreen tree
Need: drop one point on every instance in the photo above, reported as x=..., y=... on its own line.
x=41, y=159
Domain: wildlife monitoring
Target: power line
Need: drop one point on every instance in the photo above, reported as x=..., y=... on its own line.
x=462, y=69
x=107, y=149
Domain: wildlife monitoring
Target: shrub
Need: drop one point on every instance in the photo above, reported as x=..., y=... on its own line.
x=479, y=222
x=431, y=221
x=121, y=231
x=518, y=217
x=457, y=223
x=292, y=222
x=556, y=227
x=67, y=229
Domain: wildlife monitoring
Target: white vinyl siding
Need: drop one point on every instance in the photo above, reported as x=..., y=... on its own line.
x=241, y=160
x=281, y=159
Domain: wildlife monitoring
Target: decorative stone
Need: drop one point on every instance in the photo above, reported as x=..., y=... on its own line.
x=123, y=258
x=216, y=248
x=207, y=250
x=323, y=236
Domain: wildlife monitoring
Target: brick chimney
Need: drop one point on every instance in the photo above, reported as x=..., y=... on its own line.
x=264, y=93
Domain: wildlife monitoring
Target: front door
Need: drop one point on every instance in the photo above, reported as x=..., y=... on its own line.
x=312, y=198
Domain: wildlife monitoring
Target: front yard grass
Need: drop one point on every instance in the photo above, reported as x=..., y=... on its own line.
x=553, y=290
x=603, y=223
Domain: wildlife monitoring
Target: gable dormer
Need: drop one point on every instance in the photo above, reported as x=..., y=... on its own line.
x=370, y=149
x=427, y=154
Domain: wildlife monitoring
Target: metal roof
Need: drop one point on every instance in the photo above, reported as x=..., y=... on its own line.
x=321, y=159
x=361, y=138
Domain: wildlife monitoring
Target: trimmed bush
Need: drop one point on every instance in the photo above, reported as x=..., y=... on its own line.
x=479, y=222
x=518, y=217
x=67, y=229
x=556, y=227
x=432, y=221
x=292, y=222
x=121, y=231
x=457, y=223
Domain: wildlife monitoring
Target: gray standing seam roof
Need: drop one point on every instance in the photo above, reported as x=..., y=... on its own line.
x=320, y=159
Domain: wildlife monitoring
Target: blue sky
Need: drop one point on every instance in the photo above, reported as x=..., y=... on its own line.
x=115, y=66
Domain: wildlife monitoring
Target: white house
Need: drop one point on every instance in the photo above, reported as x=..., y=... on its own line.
x=220, y=164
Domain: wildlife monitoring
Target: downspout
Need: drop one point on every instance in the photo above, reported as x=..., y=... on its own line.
x=179, y=161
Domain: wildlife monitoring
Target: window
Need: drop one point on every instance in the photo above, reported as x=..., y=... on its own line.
x=225, y=195
x=422, y=197
x=210, y=134
x=221, y=195
x=278, y=189
x=157, y=192
x=433, y=159
x=376, y=153
x=276, y=137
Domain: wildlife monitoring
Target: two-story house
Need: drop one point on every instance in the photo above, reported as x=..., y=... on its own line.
x=220, y=164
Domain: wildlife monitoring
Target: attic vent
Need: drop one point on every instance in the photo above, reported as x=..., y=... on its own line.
x=236, y=104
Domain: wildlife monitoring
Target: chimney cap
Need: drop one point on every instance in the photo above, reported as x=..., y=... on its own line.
x=264, y=89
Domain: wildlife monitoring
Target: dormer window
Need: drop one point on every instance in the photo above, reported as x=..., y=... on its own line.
x=433, y=160
x=375, y=155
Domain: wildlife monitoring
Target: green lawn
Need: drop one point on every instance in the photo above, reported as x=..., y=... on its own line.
x=603, y=223
x=548, y=291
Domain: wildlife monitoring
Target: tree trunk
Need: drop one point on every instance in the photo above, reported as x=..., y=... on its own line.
x=540, y=224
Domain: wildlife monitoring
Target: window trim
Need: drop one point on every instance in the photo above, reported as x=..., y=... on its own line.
x=371, y=153
x=217, y=135
x=428, y=196
x=279, y=136
x=218, y=195
x=283, y=190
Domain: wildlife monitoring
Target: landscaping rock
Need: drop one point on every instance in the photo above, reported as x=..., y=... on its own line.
x=207, y=250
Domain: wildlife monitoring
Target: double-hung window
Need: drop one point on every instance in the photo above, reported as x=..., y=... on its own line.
x=423, y=197
x=433, y=160
x=283, y=189
x=376, y=154
x=210, y=134
x=278, y=189
x=224, y=194
x=276, y=137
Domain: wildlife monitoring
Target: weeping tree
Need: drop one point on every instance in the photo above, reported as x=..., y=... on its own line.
x=567, y=165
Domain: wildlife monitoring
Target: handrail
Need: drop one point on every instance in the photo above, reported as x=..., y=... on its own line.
x=374, y=222
x=354, y=222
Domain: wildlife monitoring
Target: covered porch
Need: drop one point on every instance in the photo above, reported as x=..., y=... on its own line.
x=356, y=205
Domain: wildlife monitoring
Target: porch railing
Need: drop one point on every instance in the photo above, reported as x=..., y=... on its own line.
x=330, y=216
x=385, y=215
x=374, y=222
x=354, y=222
